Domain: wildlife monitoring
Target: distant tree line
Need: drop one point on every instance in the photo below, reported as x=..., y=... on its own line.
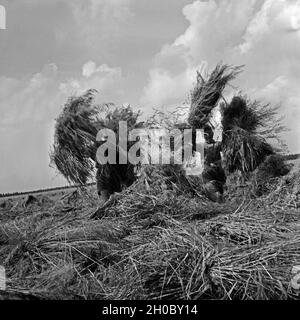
x=11, y=194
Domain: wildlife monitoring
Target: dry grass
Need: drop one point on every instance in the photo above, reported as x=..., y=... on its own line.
x=157, y=241
x=74, y=150
x=248, y=128
x=208, y=91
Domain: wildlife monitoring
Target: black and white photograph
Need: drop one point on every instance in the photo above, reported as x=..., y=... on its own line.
x=149, y=151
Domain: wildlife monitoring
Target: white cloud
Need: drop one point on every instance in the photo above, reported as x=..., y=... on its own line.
x=284, y=91
x=39, y=97
x=102, y=78
x=214, y=30
x=89, y=68
x=30, y=98
x=262, y=35
x=104, y=72
x=166, y=89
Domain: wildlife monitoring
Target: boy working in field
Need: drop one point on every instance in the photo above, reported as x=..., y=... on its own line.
x=213, y=175
x=112, y=178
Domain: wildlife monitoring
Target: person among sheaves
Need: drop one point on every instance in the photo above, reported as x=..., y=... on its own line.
x=112, y=178
x=213, y=175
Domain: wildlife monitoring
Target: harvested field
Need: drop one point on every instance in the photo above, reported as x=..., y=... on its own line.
x=153, y=241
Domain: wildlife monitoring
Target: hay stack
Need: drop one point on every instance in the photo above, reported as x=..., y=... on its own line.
x=246, y=129
x=75, y=137
x=247, y=125
x=76, y=128
x=208, y=92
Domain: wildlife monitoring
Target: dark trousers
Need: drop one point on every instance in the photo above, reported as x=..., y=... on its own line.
x=111, y=177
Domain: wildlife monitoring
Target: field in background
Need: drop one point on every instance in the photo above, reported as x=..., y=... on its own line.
x=40, y=191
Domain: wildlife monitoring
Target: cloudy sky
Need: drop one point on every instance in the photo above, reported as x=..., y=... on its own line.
x=141, y=52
